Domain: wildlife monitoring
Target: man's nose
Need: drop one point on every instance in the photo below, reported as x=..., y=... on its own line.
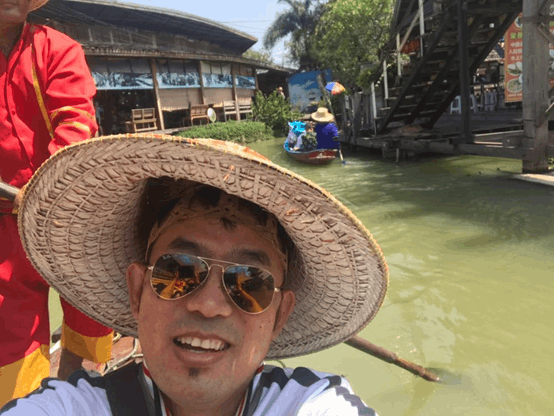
x=210, y=299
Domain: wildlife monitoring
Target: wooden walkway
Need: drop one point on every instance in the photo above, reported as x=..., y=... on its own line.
x=543, y=179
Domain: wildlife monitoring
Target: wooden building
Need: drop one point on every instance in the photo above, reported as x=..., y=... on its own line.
x=148, y=57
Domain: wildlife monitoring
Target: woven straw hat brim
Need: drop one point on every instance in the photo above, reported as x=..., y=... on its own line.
x=78, y=227
x=322, y=119
x=37, y=4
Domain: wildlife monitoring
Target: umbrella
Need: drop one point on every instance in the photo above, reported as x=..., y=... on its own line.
x=334, y=88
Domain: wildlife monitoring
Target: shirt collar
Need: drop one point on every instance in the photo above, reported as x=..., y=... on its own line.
x=153, y=390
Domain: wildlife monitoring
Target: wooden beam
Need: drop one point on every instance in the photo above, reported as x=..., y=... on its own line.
x=159, y=112
x=201, y=83
x=385, y=79
x=537, y=18
x=535, y=91
x=463, y=35
x=492, y=11
x=255, y=77
x=546, y=33
x=409, y=31
x=421, y=25
x=477, y=150
x=398, y=56
x=543, y=5
x=233, y=73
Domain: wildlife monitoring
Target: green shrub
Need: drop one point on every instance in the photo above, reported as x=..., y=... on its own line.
x=275, y=111
x=243, y=132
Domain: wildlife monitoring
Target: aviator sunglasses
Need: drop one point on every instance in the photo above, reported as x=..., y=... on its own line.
x=250, y=288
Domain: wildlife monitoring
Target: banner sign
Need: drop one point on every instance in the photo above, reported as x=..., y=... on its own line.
x=172, y=73
x=218, y=80
x=121, y=74
x=513, y=61
x=243, y=81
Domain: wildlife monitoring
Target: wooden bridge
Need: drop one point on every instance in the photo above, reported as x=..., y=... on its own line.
x=447, y=41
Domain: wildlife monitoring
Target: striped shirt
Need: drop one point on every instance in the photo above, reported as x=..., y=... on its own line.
x=273, y=391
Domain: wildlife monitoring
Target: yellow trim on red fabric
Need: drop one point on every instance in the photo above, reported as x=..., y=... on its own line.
x=68, y=108
x=77, y=124
x=23, y=376
x=40, y=100
x=97, y=349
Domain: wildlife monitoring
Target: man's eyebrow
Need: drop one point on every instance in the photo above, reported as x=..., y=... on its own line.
x=241, y=254
x=258, y=256
x=181, y=243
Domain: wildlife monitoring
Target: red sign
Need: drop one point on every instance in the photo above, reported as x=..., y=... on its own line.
x=513, y=61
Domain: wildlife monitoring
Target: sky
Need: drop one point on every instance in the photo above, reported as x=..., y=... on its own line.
x=250, y=16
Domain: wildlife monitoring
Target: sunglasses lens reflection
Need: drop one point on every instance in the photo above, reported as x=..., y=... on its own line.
x=250, y=288
x=177, y=275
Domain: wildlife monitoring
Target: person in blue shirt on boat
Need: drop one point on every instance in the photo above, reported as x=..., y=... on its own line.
x=301, y=137
x=326, y=130
x=294, y=138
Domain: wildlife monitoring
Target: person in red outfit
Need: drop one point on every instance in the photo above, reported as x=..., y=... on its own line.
x=46, y=95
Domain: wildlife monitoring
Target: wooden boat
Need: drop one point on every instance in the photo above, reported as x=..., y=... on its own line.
x=313, y=157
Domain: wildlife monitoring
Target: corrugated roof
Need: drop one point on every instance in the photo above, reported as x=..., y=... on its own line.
x=155, y=19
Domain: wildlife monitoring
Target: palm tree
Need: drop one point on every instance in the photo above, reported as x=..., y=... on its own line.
x=299, y=22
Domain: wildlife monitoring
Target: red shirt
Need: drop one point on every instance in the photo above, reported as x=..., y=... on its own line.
x=46, y=93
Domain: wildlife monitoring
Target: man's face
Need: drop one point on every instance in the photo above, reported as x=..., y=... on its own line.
x=188, y=375
x=14, y=11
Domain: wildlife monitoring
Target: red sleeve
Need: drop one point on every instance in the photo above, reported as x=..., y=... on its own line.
x=69, y=91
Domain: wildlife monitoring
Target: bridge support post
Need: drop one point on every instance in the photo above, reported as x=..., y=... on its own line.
x=535, y=90
x=463, y=46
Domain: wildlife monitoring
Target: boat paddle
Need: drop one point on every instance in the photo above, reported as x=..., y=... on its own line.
x=340, y=154
x=7, y=191
x=390, y=357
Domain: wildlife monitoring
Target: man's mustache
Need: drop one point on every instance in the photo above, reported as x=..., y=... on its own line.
x=215, y=326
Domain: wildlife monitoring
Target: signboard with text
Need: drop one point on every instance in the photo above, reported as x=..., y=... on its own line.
x=513, y=62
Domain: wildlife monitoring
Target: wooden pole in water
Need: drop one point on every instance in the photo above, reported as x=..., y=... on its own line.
x=390, y=357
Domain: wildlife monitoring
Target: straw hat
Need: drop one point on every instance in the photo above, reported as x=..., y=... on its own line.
x=37, y=4
x=323, y=115
x=78, y=225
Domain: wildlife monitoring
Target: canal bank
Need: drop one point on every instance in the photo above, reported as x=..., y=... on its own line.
x=469, y=251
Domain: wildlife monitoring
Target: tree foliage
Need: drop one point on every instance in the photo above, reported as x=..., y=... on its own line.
x=349, y=33
x=274, y=111
x=263, y=56
x=299, y=21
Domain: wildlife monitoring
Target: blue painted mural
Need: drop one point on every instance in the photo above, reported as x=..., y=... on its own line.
x=303, y=88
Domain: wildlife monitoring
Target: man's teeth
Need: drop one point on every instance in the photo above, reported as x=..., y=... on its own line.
x=206, y=344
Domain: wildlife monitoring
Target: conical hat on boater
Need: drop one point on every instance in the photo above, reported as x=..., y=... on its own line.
x=78, y=225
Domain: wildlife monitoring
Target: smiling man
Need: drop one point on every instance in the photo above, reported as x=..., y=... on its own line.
x=217, y=259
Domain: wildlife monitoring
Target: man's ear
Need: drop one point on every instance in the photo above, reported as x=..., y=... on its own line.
x=284, y=311
x=135, y=283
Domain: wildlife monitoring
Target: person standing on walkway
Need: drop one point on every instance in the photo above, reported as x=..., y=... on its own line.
x=46, y=95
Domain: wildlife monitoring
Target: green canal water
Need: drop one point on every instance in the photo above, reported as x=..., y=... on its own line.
x=469, y=250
